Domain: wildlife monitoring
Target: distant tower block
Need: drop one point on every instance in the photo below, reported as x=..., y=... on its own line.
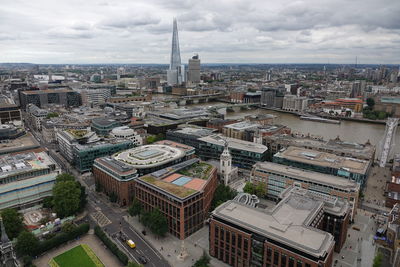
x=176, y=71
x=387, y=143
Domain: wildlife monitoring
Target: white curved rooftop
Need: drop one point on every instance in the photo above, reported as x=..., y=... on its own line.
x=149, y=155
x=123, y=130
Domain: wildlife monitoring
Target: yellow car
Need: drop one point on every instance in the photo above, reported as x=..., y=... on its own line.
x=130, y=243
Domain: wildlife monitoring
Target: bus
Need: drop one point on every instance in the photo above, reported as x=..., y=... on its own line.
x=130, y=243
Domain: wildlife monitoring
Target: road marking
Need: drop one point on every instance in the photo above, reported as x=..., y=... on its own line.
x=155, y=252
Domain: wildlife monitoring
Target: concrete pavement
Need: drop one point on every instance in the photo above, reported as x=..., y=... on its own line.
x=359, y=244
x=170, y=246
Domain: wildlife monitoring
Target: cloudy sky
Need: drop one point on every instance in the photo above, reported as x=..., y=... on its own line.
x=221, y=31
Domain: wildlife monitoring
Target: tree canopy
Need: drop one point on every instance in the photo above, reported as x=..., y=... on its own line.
x=66, y=198
x=259, y=189
x=222, y=193
x=13, y=222
x=27, y=243
x=370, y=102
x=63, y=177
x=69, y=196
x=156, y=221
x=136, y=208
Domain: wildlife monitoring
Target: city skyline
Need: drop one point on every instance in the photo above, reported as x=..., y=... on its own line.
x=225, y=32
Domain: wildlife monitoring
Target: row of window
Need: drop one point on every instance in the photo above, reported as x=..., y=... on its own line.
x=277, y=258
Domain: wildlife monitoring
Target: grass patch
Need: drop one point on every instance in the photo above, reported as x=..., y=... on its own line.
x=81, y=256
x=198, y=170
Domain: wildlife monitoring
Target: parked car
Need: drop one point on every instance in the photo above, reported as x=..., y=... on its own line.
x=142, y=259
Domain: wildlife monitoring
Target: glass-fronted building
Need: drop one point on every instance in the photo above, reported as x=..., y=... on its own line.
x=350, y=168
x=244, y=154
x=84, y=155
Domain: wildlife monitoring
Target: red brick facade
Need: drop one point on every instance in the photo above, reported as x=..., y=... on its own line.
x=184, y=217
x=235, y=248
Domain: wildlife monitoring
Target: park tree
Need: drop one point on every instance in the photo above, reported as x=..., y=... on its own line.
x=260, y=189
x=249, y=188
x=156, y=221
x=63, y=177
x=13, y=222
x=66, y=196
x=27, y=243
x=222, y=194
x=159, y=223
x=135, y=208
x=370, y=103
x=68, y=227
x=48, y=202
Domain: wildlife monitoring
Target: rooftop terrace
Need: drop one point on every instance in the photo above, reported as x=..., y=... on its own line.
x=173, y=188
x=199, y=170
x=13, y=164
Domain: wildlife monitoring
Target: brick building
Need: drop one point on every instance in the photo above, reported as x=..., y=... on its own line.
x=289, y=234
x=117, y=173
x=183, y=193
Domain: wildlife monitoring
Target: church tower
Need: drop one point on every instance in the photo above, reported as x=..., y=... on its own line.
x=7, y=254
x=226, y=164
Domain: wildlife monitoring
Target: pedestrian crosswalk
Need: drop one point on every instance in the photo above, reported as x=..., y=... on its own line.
x=100, y=218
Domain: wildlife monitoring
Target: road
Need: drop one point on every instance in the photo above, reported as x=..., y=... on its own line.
x=115, y=222
x=96, y=204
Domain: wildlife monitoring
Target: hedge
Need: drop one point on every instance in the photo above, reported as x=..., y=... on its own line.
x=111, y=245
x=62, y=238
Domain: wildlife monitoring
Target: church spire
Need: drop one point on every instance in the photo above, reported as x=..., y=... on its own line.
x=4, y=236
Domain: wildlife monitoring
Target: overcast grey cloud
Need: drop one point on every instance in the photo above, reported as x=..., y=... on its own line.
x=255, y=31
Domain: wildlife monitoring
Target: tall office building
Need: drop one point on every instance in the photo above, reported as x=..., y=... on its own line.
x=194, y=69
x=176, y=71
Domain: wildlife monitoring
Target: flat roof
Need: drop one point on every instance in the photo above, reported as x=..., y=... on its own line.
x=47, y=91
x=234, y=143
x=284, y=223
x=364, y=151
x=25, y=142
x=198, y=132
x=23, y=162
x=148, y=156
x=174, y=189
x=243, y=125
x=301, y=174
x=324, y=159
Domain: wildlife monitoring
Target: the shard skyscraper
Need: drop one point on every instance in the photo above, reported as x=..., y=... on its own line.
x=176, y=71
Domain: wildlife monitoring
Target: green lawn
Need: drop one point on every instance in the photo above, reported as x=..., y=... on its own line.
x=81, y=256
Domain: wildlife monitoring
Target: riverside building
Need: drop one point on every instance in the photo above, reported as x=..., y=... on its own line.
x=323, y=162
x=278, y=177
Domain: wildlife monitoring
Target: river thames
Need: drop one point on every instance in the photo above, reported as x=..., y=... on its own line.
x=350, y=131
